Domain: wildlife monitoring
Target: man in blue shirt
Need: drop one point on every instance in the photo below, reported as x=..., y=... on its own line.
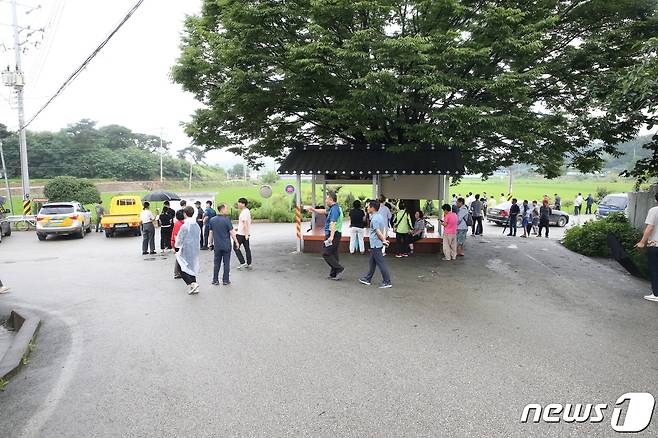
x=208, y=214
x=221, y=234
x=332, y=233
x=377, y=243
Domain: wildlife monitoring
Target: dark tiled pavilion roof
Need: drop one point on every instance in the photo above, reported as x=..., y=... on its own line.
x=353, y=161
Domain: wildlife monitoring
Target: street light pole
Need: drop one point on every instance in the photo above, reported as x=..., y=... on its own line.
x=161, y=158
x=19, y=86
x=191, y=164
x=4, y=172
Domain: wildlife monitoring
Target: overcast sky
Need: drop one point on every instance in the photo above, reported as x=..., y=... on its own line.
x=128, y=83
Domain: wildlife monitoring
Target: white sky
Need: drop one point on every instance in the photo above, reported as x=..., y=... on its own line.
x=127, y=84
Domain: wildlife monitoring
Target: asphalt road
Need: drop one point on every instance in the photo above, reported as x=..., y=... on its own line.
x=454, y=349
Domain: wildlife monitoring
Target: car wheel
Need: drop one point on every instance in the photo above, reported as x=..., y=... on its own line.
x=108, y=233
x=562, y=221
x=41, y=236
x=8, y=233
x=81, y=234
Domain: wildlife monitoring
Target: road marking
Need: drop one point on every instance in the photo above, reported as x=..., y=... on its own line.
x=512, y=246
x=34, y=426
x=543, y=264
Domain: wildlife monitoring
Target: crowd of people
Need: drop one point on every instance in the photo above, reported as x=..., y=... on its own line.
x=192, y=229
x=383, y=217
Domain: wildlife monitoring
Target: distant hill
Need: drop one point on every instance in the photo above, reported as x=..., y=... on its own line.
x=632, y=150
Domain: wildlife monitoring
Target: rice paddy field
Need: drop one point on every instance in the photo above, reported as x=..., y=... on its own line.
x=529, y=188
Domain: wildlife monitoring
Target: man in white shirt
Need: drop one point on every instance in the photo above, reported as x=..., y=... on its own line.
x=577, y=203
x=650, y=242
x=243, y=234
x=148, y=229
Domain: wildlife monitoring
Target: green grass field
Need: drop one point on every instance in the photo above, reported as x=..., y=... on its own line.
x=528, y=189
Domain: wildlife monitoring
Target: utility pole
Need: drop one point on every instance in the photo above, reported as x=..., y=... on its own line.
x=4, y=173
x=161, y=155
x=18, y=86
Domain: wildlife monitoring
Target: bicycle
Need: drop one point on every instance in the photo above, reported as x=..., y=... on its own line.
x=23, y=223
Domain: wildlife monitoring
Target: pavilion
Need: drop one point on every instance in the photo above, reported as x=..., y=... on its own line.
x=415, y=175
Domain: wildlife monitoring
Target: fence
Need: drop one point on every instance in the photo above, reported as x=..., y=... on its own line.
x=639, y=204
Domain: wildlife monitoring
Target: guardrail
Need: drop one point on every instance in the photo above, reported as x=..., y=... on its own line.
x=23, y=223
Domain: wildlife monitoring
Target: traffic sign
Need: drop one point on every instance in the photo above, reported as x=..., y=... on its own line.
x=290, y=189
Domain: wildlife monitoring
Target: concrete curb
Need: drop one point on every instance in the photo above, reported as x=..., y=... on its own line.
x=26, y=326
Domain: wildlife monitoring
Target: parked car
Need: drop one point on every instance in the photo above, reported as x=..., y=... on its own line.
x=613, y=203
x=124, y=216
x=500, y=215
x=63, y=218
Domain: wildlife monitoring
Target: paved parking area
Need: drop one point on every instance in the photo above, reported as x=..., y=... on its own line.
x=454, y=349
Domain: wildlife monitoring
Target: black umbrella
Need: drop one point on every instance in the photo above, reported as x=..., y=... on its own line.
x=161, y=196
x=620, y=254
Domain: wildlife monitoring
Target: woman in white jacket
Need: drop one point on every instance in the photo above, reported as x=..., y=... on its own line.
x=187, y=243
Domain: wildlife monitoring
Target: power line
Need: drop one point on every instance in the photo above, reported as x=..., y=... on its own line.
x=86, y=62
x=53, y=25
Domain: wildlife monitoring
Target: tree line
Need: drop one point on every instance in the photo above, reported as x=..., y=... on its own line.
x=85, y=150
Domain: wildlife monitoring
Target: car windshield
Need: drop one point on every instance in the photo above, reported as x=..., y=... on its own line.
x=56, y=209
x=615, y=201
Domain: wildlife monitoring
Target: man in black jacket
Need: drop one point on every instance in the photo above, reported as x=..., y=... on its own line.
x=166, y=219
x=513, y=214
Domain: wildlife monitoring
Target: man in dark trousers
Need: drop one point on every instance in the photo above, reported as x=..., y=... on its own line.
x=332, y=234
x=208, y=214
x=199, y=220
x=650, y=242
x=558, y=201
x=377, y=243
x=589, y=201
x=166, y=219
x=514, y=211
x=244, y=233
x=221, y=233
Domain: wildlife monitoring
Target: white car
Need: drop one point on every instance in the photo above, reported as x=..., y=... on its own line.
x=58, y=218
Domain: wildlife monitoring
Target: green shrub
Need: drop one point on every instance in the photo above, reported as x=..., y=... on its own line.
x=270, y=178
x=428, y=208
x=68, y=188
x=347, y=202
x=591, y=239
x=601, y=192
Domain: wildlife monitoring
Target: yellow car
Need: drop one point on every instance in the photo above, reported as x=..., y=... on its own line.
x=124, y=216
x=57, y=218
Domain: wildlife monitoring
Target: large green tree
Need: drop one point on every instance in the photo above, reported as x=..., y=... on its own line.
x=638, y=89
x=505, y=81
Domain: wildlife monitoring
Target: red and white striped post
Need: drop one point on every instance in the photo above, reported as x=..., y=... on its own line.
x=299, y=212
